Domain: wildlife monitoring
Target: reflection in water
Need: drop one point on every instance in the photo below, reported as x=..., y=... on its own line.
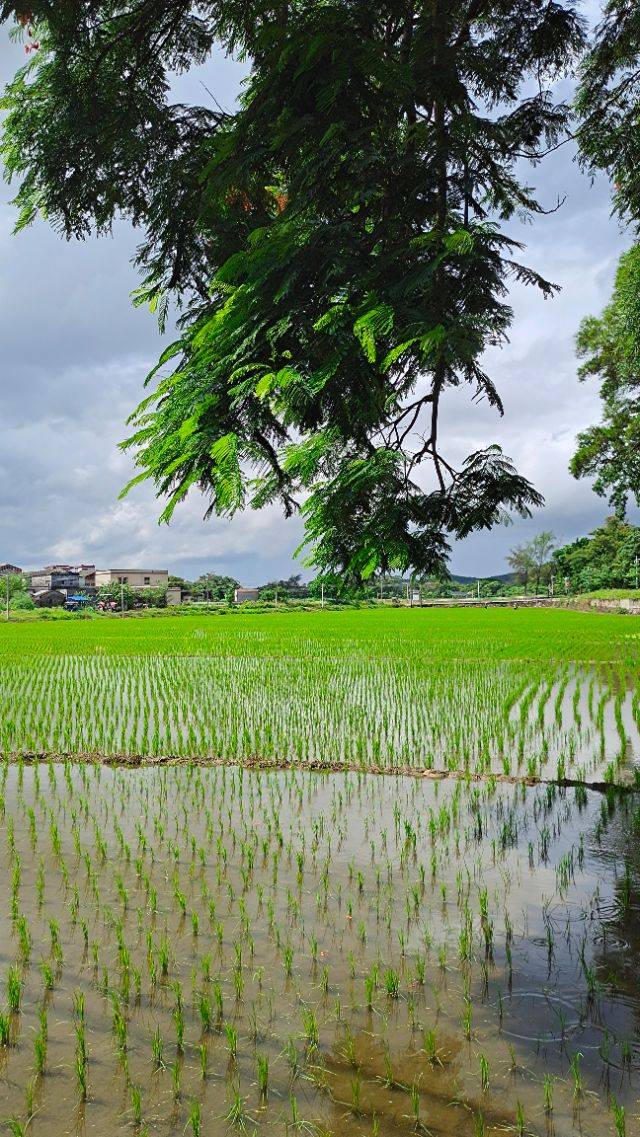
x=303, y=952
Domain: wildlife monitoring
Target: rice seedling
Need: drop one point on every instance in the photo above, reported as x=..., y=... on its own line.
x=16, y=1127
x=176, y=1080
x=262, y=1072
x=548, y=1094
x=576, y=1073
x=392, y=984
x=619, y=1115
x=232, y=1040
x=484, y=1072
x=40, y=1053
x=195, y=1119
x=135, y=1095
x=382, y=904
x=237, y=1114
x=14, y=989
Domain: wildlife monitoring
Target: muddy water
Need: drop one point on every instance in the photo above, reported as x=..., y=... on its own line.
x=406, y=956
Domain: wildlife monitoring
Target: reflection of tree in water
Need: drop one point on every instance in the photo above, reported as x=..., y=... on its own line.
x=615, y=843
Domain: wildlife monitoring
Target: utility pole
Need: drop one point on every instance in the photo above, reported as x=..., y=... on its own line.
x=636, y=572
x=8, y=595
x=478, y=582
x=322, y=594
x=121, y=598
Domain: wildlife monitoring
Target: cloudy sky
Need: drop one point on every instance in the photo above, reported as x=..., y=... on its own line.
x=75, y=353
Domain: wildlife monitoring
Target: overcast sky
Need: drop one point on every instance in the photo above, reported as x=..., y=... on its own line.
x=75, y=353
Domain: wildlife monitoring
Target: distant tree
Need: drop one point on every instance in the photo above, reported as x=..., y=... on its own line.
x=531, y=559
x=213, y=586
x=490, y=588
x=21, y=601
x=293, y=587
x=604, y=559
x=338, y=240
x=520, y=560
x=18, y=585
x=153, y=597
x=19, y=595
x=122, y=595
x=541, y=547
x=336, y=587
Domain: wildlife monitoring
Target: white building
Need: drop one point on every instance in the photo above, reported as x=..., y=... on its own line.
x=136, y=578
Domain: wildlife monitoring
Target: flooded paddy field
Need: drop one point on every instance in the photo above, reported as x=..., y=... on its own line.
x=549, y=695
x=193, y=949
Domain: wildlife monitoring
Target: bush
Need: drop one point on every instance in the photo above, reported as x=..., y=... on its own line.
x=21, y=602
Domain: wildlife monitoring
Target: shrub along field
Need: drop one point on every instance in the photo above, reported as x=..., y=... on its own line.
x=205, y=949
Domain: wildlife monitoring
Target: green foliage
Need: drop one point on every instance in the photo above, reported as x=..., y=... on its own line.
x=609, y=345
x=531, y=560
x=19, y=596
x=608, y=104
x=21, y=601
x=604, y=559
x=338, y=241
x=128, y=598
x=211, y=586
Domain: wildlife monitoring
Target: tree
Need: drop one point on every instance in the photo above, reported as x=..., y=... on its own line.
x=608, y=104
x=604, y=559
x=540, y=548
x=213, y=586
x=336, y=587
x=519, y=559
x=122, y=595
x=19, y=595
x=338, y=242
x=532, y=558
x=610, y=347
x=292, y=588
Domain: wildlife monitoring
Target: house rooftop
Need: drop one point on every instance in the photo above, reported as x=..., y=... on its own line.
x=132, y=570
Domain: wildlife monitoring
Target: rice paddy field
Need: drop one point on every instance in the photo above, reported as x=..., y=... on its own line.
x=368, y=872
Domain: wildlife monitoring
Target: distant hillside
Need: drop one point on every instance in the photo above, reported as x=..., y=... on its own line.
x=504, y=578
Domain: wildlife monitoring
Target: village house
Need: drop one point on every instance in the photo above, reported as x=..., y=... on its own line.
x=246, y=595
x=62, y=578
x=135, y=578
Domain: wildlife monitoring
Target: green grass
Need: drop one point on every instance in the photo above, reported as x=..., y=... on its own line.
x=611, y=594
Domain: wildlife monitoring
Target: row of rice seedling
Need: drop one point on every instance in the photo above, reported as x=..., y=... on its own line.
x=198, y=949
x=516, y=719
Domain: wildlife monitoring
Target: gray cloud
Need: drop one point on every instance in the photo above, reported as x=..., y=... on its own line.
x=75, y=353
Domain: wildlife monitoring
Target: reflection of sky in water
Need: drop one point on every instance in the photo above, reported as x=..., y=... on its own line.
x=402, y=864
